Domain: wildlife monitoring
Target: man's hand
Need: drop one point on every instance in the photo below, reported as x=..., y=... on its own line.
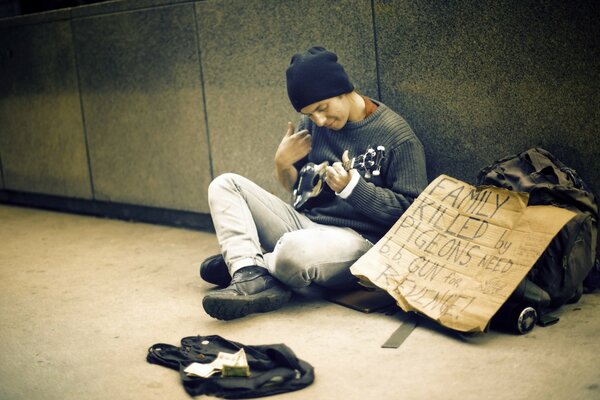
x=293, y=147
x=337, y=177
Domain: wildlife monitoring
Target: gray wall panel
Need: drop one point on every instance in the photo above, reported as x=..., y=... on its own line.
x=42, y=143
x=246, y=46
x=142, y=100
x=1, y=173
x=479, y=80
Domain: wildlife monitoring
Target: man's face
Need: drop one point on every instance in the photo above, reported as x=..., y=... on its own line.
x=331, y=113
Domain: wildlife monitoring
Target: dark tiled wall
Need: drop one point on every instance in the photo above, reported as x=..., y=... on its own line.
x=143, y=106
x=246, y=46
x=144, y=102
x=41, y=133
x=480, y=80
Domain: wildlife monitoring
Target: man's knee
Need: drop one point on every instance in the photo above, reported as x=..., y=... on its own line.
x=317, y=256
x=291, y=266
x=225, y=181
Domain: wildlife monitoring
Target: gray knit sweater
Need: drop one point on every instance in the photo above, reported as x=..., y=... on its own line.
x=375, y=204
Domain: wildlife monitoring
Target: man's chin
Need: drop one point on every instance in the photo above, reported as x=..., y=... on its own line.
x=335, y=126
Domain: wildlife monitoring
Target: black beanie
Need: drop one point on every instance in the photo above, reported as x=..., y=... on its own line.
x=315, y=75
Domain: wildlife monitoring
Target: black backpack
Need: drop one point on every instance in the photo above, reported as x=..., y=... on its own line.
x=570, y=259
x=273, y=368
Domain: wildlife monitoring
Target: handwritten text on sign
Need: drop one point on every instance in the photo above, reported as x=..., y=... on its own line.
x=459, y=251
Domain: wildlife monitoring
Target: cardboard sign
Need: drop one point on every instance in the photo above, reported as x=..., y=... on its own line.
x=460, y=251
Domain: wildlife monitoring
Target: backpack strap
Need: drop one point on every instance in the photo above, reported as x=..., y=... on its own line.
x=284, y=356
x=167, y=355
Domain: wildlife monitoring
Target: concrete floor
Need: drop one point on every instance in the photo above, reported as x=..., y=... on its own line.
x=81, y=300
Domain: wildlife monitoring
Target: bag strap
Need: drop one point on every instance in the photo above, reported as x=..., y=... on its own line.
x=167, y=355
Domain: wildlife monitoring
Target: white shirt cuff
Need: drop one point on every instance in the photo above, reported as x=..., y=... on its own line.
x=344, y=194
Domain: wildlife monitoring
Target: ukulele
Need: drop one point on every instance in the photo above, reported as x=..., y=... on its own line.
x=312, y=175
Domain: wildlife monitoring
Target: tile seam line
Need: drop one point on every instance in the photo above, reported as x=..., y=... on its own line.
x=203, y=93
x=376, y=48
x=82, y=111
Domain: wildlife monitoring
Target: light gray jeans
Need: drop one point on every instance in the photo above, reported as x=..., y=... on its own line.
x=255, y=227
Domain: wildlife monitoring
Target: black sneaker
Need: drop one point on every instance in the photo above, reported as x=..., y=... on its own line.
x=252, y=290
x=214, y=270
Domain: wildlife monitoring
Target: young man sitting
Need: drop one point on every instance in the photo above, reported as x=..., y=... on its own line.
x=270, y=248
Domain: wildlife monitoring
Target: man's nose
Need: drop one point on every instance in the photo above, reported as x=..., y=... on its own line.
x=318, y=119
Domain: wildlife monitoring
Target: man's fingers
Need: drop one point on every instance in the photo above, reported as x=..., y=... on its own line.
x=330, y=172
x=307, y=139
x=290, y=129
x=345, y=157
x=339, y=169
x=303, y=132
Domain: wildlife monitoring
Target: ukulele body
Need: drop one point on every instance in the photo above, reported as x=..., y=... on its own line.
x=310, y=183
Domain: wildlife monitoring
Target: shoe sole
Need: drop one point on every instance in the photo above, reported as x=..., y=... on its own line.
x=227, y=306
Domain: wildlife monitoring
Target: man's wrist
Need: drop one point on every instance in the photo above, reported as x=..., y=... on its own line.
x=355, y=176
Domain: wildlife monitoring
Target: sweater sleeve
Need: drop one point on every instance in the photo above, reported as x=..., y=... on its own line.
x=405, y=178
x=302, y=124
